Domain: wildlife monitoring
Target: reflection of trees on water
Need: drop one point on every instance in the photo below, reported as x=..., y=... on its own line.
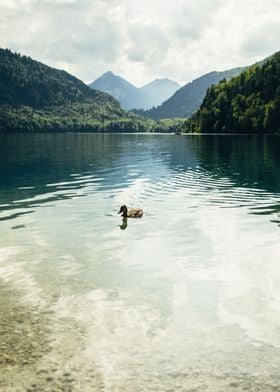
x=250, y=161
x=57, y=165
x=28, y=157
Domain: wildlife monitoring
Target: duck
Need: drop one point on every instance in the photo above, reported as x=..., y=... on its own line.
x=131, y=212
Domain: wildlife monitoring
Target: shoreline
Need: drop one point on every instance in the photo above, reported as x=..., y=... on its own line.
x=137, y=133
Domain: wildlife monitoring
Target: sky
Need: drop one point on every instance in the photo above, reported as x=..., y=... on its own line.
x=141, y=40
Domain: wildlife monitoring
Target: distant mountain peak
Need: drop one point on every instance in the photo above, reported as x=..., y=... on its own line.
x=127, y=94
x=162, y=81
x=161, y=89
x=108, y=73
x=131, y=97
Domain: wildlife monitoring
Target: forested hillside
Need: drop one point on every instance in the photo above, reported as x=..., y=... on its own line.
x=248, y=103
x=35, y=97
x=188, y=98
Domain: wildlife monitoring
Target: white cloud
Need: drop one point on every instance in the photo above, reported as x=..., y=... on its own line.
x=148, y=44
x=267, y=37
x=141, y=40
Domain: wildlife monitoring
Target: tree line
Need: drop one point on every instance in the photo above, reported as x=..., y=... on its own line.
x=248, y=103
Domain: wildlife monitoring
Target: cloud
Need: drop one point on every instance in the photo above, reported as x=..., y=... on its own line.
x=190, y=20
x=141, y=40
x=267, y=36
x=148, y=43
x=63, y=32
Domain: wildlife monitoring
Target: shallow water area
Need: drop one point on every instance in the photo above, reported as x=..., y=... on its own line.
x=186, y=298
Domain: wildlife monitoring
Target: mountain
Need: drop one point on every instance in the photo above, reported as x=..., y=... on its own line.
x=160, y=90
x=248, y=103
x=129, y=96
x=35, y=97
x=188, y=98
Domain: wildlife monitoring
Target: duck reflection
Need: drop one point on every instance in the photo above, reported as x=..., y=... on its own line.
x=123, y=226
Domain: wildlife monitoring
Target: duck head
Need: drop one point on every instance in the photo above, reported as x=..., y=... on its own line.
x=123, y=210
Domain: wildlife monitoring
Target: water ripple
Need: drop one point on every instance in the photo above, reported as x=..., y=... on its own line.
x=137, y=178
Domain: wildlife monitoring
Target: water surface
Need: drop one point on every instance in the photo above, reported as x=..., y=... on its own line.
x=185, y=299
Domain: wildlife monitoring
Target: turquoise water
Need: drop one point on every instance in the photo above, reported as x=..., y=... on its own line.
x=185, y=299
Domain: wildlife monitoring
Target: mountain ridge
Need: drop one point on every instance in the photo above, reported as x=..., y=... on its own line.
x=129, y=96
x=132, y=97
x=161, y=89
x=187, y=99
x=248, y=103
x=36, y=97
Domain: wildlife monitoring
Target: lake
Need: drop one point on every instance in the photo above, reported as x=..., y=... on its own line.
x=186, y=298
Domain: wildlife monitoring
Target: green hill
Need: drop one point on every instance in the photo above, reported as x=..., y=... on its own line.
x=35, y=97
x=188, y=98
x=248, y=103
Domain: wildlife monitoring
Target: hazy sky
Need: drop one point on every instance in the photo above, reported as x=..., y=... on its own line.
x=141, y=39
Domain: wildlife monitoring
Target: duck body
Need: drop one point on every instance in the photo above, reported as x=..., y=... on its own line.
x=131, y=212
x=135, y=213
